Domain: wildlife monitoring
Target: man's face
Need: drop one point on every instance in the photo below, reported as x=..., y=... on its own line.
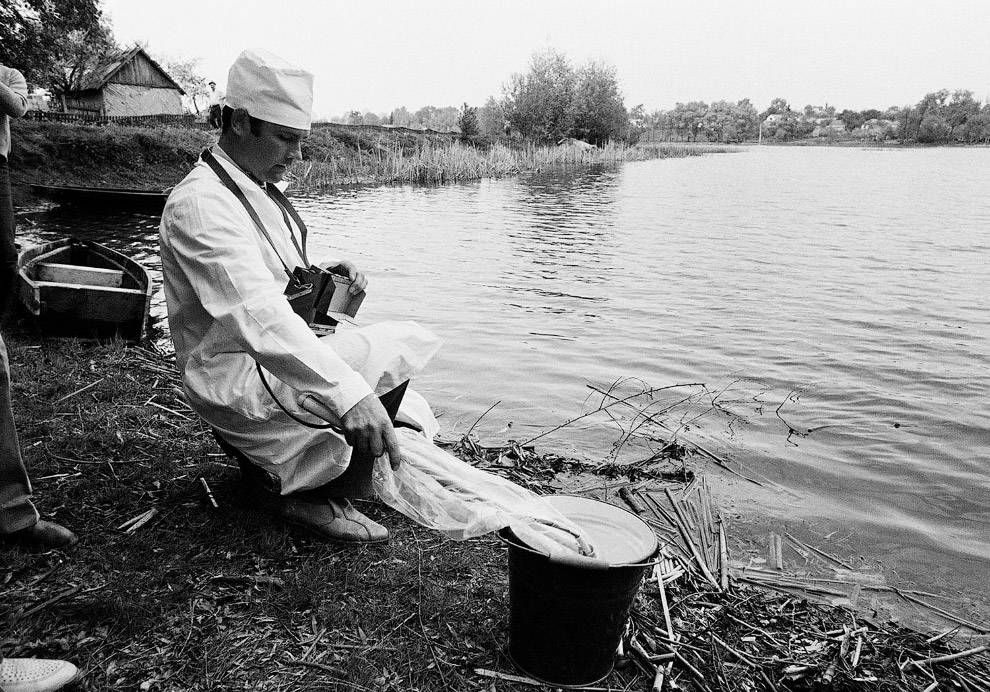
x=268, y=154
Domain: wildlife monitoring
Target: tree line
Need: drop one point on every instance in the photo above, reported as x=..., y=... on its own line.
x=941, y=117
x=54, y=42
x=553, y=101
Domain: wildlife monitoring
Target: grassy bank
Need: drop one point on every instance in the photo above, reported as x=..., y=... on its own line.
x=157, y=158
x=193, y=596
x=110, y=156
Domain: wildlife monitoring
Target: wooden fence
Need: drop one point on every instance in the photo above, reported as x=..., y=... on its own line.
x=193, y=121
x=163, y=119
x=385, y=128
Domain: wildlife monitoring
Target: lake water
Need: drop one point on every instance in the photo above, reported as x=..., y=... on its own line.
x=824, y=309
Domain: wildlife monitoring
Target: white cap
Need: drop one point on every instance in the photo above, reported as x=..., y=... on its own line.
x=271, y=89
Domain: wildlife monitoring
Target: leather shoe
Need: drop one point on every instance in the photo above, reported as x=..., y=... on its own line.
x=42, y=536
x=333, y=520
x=35, y=674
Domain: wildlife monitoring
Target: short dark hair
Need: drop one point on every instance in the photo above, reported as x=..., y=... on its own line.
x=227, y=114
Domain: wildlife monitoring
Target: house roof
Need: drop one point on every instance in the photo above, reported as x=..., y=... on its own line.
x=110, y=65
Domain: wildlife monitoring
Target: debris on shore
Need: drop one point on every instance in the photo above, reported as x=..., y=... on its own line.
x=182, y=582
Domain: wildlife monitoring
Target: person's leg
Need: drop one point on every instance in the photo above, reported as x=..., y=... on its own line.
x=16, y=509
x=19, y=520
x=327, y=511
x=353, y=484
x=8, y=247
x=324, y=512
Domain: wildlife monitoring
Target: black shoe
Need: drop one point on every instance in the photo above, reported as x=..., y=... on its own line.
x=43, y=536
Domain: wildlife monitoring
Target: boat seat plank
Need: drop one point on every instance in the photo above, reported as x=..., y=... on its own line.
x=49, y=272
x=95, y=290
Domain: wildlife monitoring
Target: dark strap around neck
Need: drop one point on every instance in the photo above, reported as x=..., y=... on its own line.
x=229, y=183
x=286, y=206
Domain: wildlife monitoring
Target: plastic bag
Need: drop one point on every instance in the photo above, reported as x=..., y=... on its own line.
x=439, y=491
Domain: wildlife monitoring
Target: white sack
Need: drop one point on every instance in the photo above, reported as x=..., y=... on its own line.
x=439, y=491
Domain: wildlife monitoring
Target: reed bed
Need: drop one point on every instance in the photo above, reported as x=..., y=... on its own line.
x=436, y=161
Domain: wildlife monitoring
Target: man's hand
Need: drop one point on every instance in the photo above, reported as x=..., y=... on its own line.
x=358, y=280
x=368, y=429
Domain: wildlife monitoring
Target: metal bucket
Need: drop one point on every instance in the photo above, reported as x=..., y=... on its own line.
x=567, y=615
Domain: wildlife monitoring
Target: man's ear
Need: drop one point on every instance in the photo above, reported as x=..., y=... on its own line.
x=240, y=123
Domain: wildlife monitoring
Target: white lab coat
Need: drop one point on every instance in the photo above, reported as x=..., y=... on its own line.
x=224, y=288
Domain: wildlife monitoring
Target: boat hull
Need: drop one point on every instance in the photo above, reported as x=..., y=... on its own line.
x=79, y=288
x=150, y=201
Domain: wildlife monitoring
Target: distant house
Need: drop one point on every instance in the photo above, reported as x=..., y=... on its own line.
x=127, y=83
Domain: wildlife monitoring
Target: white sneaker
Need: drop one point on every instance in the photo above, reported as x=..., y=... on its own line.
x=35, y=674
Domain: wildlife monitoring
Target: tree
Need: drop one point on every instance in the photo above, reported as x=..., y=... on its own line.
x=369, y=118
x=686, y=119
x=400, y=117
x=852, y=120
x=35, y=35
x=979, y=126
x=599, y=112
x=717, y=120
x=540, y=104
x=934, y=128
x=959, y=110
x=433, y=118
x=639, y=122
x=491, y=119
x=468, y=122
x=942, y=117
x=778, y=106
x=746, y=120
x=186, y=74
x=82, y=51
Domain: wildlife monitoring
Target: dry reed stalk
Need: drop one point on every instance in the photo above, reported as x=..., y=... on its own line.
x=739, y=655
x=50, y=602
x=723, y=555
x=822, y=553
x=944, y=613
x=774, y=551
x=682, y=524
x=142, y=520
x=507, y=677
x=788, y=585
x=79, y=391
x=854, y=661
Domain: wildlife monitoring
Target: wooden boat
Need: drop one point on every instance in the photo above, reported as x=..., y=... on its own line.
x=152, y=201
x=80, y=288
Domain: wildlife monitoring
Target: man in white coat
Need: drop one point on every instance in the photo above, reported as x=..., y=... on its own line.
x=251, y=367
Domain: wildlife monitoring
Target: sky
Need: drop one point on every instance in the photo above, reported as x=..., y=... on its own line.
x=378, y=56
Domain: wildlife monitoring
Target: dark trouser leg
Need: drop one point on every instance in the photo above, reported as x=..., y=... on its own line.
x=16, y=510
x=353, y=484
x=8, y=250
